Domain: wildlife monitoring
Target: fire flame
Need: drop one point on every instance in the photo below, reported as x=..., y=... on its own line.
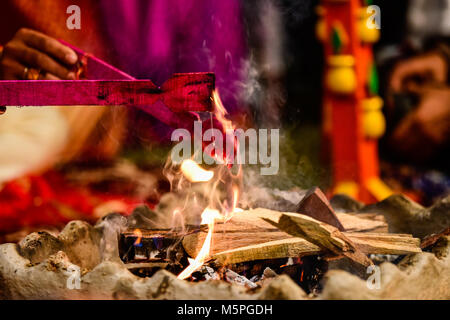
x=227, y=125
x=220, y=112
x=138, y=234
x=208, y=217
x=194, y=173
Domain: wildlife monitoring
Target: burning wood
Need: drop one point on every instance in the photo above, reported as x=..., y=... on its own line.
x=208, y=217
x=248, y=238
x=234, y=237
x=297, y=247
x=321, y=234
x=246, y=229
x=105, y=278
x=151, y=245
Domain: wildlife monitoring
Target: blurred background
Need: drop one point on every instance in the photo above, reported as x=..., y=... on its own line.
x=270, y=68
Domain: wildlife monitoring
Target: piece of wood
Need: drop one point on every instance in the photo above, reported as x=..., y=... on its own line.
x=297, y=247
x=433, y=238
x=96, y=69
x=289, y=247
x=107, y=85
x=181, y=93
x=319, y=233
x=315, y=204
x=145, y=244
x=370, y=222
x=236, y=232
x=242, y=230
x=385, y=243
x=246, y=237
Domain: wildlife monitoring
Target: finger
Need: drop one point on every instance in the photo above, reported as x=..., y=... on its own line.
x=404, y=70
x=12, y=69
x=33, y=58
x=49, y=76
x=50, y=46
x=424, y=66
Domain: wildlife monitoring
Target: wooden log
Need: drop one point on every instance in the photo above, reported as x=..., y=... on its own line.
x=385, y=243
x=246, y=237
x=297, y=247
x=319, y=233
x=289, y=247
x=433, y=238
x=236, y=232
x=315, y=204
x=145, y=244
x=242, y=230
x=355, y=222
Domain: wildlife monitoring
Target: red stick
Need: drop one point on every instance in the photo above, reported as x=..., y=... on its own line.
x=182, y=92
x=107, y=85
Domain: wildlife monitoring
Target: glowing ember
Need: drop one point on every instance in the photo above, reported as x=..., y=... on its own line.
x=194, y=173
x=208, y=217
x=138, y=234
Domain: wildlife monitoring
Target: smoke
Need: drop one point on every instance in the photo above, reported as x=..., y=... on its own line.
x=259, y=194
x=264, y=70
x=110, y=227
x=257, y=81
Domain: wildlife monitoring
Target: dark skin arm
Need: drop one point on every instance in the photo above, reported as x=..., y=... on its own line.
x=32, y=49
x=426, y=129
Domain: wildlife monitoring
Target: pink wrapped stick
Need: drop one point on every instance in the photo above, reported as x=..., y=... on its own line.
x=106, y=85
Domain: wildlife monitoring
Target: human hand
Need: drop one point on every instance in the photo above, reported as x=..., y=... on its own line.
x=426, y=128
x=30, y=49
x=430, y=68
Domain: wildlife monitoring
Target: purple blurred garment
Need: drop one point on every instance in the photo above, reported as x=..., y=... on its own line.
x=156, y=38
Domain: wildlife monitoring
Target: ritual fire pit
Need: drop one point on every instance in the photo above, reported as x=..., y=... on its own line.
x=258, y=254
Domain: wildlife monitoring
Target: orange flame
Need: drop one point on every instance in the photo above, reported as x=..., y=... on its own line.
x=220, y=112
x=227, y=126
x=234, y=209
x=138, y=234
x=208, y=217
x=194, y=173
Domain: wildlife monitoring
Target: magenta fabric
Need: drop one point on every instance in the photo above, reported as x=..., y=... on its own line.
x=156, y=38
